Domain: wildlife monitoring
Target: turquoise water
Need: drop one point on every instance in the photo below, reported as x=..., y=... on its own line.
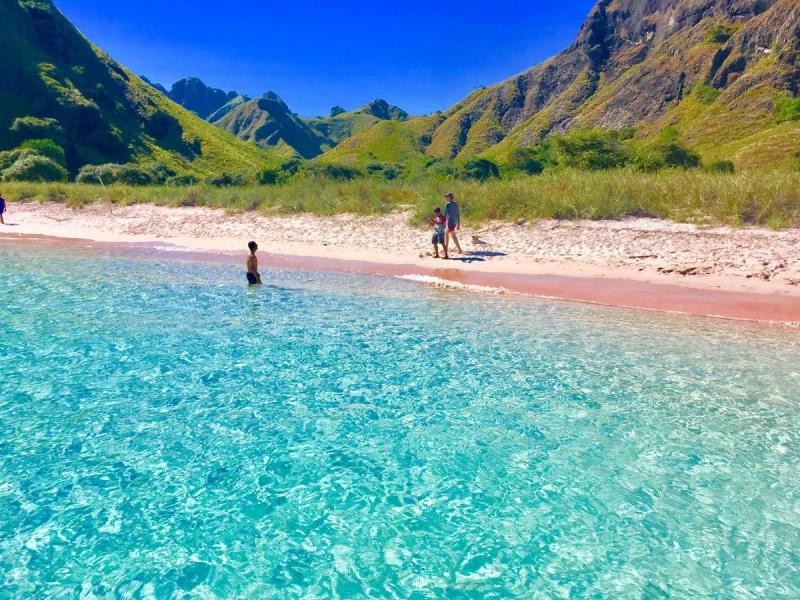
x=167, y=432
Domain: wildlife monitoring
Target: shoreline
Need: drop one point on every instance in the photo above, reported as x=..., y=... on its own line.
x=715, y=294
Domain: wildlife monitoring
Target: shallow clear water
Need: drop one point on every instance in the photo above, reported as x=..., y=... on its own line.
x=167, y=432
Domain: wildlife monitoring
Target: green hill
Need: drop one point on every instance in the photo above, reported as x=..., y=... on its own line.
x=343, y=124
x=65, y=101
x=268, y=122
x=385, y=142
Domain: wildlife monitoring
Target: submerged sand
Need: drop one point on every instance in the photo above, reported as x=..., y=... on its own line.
x=745, y=260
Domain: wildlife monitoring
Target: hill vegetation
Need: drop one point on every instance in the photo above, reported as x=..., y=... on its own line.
x=765, y=198
x=65, y=104
x=650, y=97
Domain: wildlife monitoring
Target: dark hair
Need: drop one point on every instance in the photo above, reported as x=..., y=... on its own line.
x=252, y=246
x=449, y=195
x=437, y=210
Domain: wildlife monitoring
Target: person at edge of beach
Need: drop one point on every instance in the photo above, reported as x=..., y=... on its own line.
x=253, y=276
x=2, y=209
x=439, y=223
x=453, y=215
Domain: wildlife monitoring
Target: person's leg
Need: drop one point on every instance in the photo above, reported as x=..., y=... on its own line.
x=2, y=222
x=435, y=250
x=452, y=234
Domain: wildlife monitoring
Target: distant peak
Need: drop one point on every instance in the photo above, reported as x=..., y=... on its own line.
x=383, y=110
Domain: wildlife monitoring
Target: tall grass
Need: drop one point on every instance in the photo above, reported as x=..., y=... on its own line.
x=769, y=199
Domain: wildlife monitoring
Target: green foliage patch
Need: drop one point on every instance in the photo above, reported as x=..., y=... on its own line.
x=706, y=94
x=46, y=147
x=787, y=108
x=721, y=33
x=32, y=167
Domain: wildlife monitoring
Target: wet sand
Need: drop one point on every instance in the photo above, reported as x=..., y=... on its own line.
x=748, y=274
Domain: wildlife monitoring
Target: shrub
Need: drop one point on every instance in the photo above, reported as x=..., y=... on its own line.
x=721, y=166
x=676, y=155
x=786, y=107
x=392, y=172
x=706, y=94
x=663, y=155
x=592, y=150
x=47, y=148
x=34, y=127
x=720, y=33
x=183, y=180
x=134, y=175
x=226, y=180
x=269, y=176
x=129, y=174
x=528, y=160
x=31, y=167
x=292, y=166
x=443, y=169
x=481, y=169
x=388, y=172
x=98, y=174
x=333, y=171
x=626, y=133
x=670, y=133
x=9, y=157
x=159, y=172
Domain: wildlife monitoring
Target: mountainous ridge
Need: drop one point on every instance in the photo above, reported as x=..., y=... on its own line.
x=268, y=122
x=632, y=63
x=73, y=99
x=194, y=95
x=709, y=74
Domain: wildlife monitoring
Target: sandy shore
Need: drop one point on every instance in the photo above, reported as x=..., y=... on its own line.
x=600, y=260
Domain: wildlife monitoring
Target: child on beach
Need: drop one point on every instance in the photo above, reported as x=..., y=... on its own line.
x=439, y=222
x=2, y=209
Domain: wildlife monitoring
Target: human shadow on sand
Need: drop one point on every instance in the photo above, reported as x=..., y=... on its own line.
x=485, y=253
x=466, y=259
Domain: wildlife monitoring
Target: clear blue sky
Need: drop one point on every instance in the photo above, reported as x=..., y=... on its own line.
x=422, y=56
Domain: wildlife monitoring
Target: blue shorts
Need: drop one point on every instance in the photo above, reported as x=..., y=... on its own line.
x=438, y=238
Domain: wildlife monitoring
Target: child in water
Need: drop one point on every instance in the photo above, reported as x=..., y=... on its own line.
x=253, y=276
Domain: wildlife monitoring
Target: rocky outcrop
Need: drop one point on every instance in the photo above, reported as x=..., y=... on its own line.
x=631, y=62
x=196, y=96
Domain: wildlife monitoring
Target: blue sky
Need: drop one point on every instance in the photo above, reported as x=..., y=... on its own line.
x=422, y=56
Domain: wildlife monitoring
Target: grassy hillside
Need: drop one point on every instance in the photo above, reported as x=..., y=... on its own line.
x=342, y=125
x=268, y=122
x=56, y=86
x=385, y=142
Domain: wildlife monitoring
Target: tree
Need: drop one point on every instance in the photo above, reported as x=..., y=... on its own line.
x=481, y=169
x=32, y=167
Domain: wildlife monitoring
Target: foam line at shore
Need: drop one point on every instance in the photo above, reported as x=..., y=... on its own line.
x=439, y=282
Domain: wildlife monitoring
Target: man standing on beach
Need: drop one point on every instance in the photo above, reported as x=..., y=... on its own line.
x=453, y=215
x=253, y=276
x=2, y=209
